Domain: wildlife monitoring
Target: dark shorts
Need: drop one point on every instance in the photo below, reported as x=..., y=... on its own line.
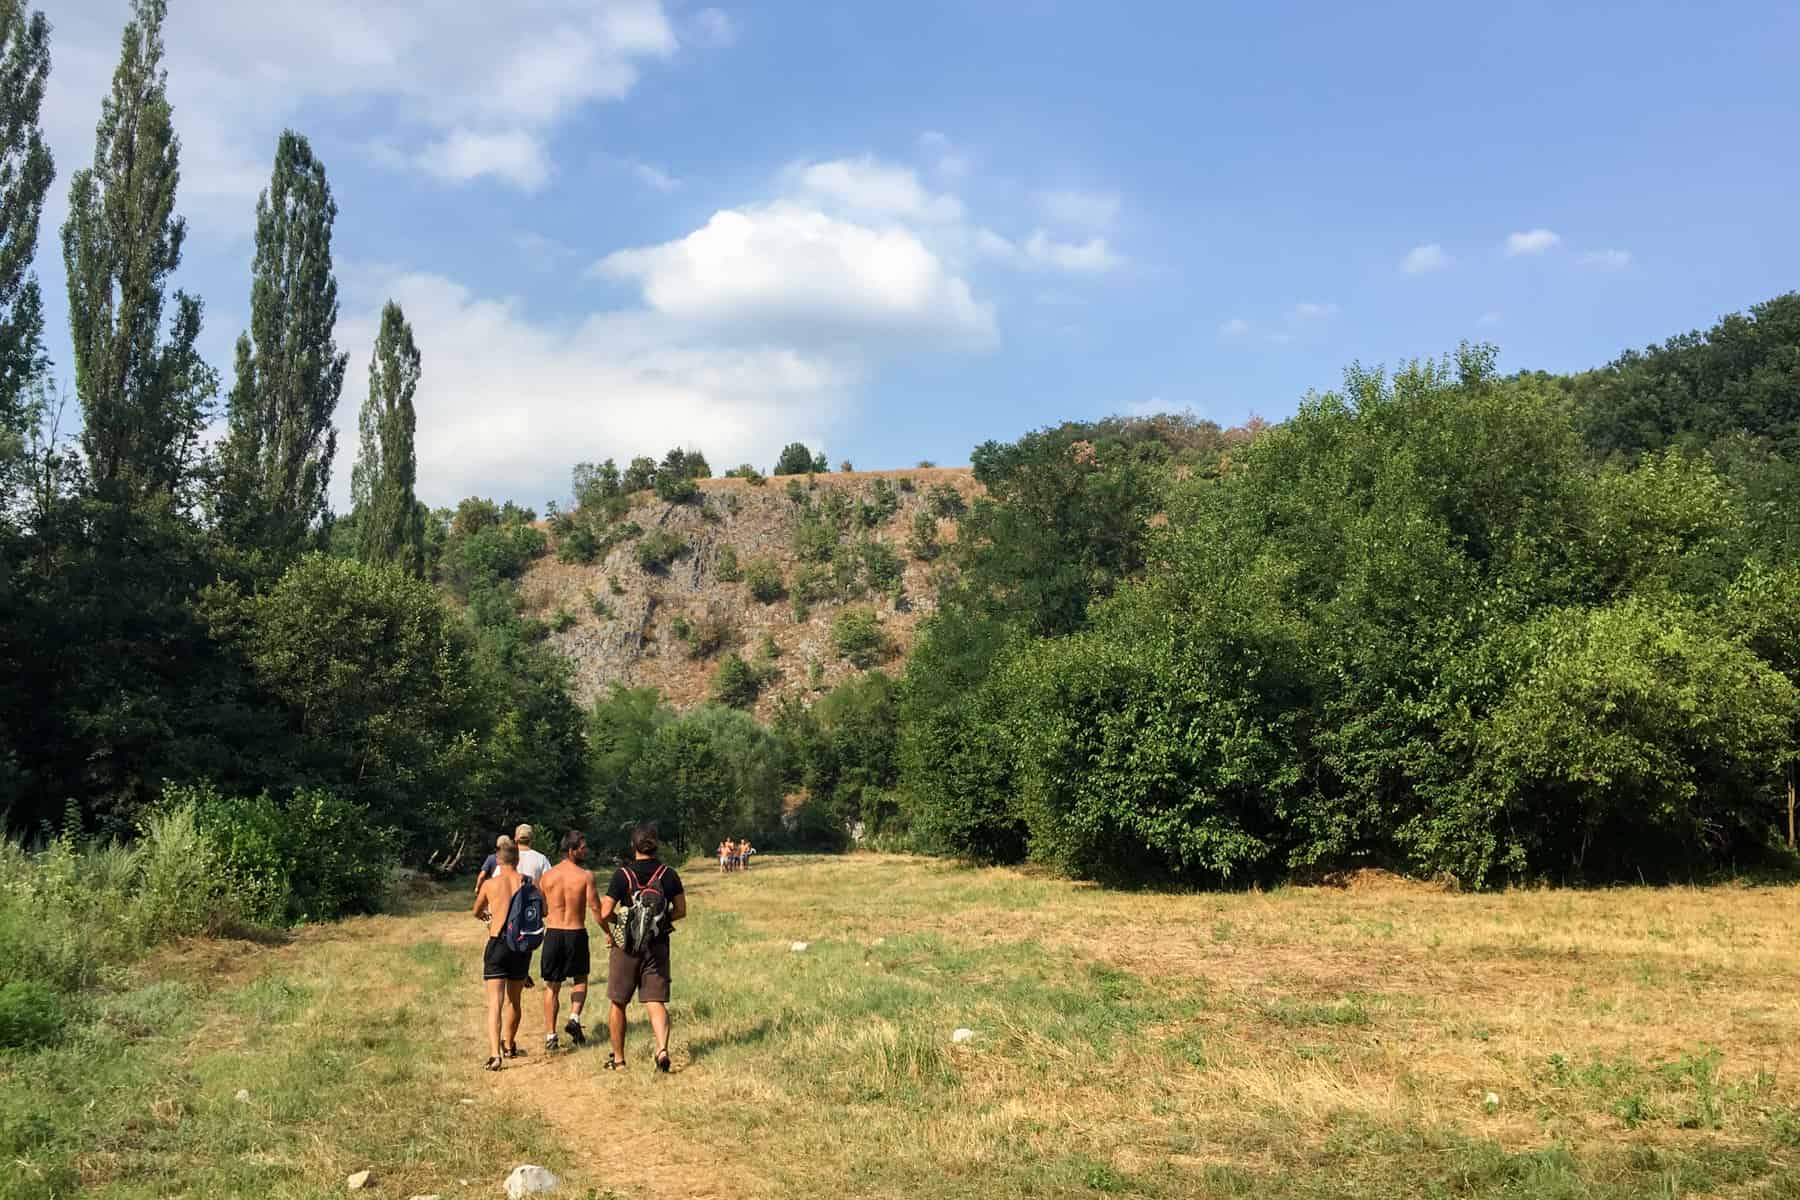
x=647, y=975
x=565, y=955
x=498, y=962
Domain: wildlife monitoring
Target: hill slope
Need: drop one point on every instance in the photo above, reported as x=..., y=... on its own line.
x=624, y=622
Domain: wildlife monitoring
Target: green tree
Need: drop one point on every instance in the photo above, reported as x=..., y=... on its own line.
x=144, y=399
x=25, y=174
x=389, y=522
x=276, y=459
x=795, y=459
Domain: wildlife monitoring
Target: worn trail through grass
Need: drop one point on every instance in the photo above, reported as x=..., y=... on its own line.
x=1382, y=1040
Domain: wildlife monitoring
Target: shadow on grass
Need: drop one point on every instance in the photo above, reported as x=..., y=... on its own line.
x=749, y=1036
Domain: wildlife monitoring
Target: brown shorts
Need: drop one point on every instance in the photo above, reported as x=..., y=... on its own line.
x=647, y=975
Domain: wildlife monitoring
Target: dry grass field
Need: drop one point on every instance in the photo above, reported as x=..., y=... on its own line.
x=1380, y=1039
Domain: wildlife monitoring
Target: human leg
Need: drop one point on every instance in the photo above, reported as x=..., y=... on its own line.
x=496, y=992
x=513, y=1014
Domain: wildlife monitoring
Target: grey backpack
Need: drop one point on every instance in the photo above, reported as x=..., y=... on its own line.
x=647, y=914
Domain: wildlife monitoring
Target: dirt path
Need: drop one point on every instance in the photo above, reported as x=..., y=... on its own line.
x=609, y=1120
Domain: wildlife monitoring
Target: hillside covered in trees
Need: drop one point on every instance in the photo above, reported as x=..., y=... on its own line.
x=1492, y=627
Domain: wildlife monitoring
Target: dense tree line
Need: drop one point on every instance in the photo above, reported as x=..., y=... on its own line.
x=1440, y=621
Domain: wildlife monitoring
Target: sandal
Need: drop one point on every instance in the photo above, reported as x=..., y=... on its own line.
x=614, y=1064
x=513, y=1051
x=662, y=1061
x=494, y=1063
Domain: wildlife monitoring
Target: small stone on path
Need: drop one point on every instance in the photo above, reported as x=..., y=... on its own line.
x=528, y=1180
x=799, y=947
x=359, y=1181
x=243, y=1096
x=962, y=1035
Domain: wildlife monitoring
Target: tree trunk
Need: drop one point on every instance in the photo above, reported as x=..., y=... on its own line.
x=1793, y=770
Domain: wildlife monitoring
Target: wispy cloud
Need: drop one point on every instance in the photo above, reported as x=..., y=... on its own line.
x=1422, y=260
x=1488, y=320
x=654, y=177
x=1307, y=310
x=1091, y=256
x=950, y=161
x=1235, y=328
x=714, y=27
x=1098, y=211
x=1606, y=260
x=1531, y=242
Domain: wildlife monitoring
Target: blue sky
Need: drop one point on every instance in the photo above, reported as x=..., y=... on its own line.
x=898, y=230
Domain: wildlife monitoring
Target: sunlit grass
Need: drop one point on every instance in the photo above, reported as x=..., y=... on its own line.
x=1385, y=1041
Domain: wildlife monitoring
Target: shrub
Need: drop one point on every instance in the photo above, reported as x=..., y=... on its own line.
x=857, y=636
x=764, y=578
x=594, y=486
x=562, y=620
x=836, y=508
x=599, y=605
x=845, y=467
x=614, y=586
x=706, y=634
x=881, y=565
x=925, y=464
x=736, y=684
x=726, y=567
x=313, y=858
x=907, y=485
x=31, y=1015
x=677, y=488
x=814, y=541
x=882, y=503
x=659, y=548
x=945, y=502
x=578, y=545
x=747, y=473
x=639, y=475
x=796, y=493
x=770, y=649
x=923, y=544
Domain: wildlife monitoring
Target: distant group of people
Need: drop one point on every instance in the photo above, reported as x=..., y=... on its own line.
x=735, y=856
x=527, y=903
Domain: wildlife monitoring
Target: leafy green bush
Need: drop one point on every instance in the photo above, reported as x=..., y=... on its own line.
x=763, y=575
x=562, y=620
x=845, y=467
x=31, y=1015
x=945, y=502
x=795, y=459
x=835, y=508
x=857, y=636
x=677, y=489
x=578, y=545
x=314, y=857
x=796, y=494
x=814, y=541
x=726, y=566
x=882, y=502
x=881, y=565
x=658, y=548
x=747, y=473
x=923, y=543
x=736, y=684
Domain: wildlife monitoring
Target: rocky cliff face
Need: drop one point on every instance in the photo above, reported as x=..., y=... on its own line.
x=670, y=627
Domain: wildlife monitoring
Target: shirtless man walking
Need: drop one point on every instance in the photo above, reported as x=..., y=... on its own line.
x=569, y=895
x=503, y=969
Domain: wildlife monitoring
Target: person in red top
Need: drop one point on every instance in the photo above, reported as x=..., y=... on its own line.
x=646, y=975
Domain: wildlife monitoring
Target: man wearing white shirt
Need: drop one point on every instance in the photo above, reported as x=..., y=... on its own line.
x=531, y=863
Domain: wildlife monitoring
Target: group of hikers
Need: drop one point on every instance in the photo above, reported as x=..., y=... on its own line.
x=735, y=856
x=527, y=903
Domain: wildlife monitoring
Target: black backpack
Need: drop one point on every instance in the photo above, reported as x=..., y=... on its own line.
x=646, y=916
x=524, y=930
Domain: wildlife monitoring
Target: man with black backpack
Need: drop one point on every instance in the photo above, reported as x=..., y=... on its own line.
x=513, y=908
x=648, y=899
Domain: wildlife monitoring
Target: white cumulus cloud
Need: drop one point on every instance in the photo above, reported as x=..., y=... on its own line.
x=508, y=404
x=1532, y=241
x=1422, y=260
x=873, y=188
x=517, y=158
x=803, y=273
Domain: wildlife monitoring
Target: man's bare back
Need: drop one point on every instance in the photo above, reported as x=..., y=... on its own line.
x=495, y=898
x=569, y=890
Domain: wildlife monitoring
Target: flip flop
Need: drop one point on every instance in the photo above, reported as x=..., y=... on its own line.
x=662, y=1061
x=494, y=1063
x=614, y=1064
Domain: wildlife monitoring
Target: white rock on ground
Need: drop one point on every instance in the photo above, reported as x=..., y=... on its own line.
x=359, y=1181
x=962, y=1035
x=1493, y=1100
x=799, y=947
x=528, y=1180
x=432, y=1196
x=243, y=1096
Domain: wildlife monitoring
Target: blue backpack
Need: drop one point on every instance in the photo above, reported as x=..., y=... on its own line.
x=525, y=919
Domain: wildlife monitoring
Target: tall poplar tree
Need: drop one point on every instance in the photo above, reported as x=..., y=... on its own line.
x=144, y=398
x=276, y=460
x=25, y=174
x=390, y=527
